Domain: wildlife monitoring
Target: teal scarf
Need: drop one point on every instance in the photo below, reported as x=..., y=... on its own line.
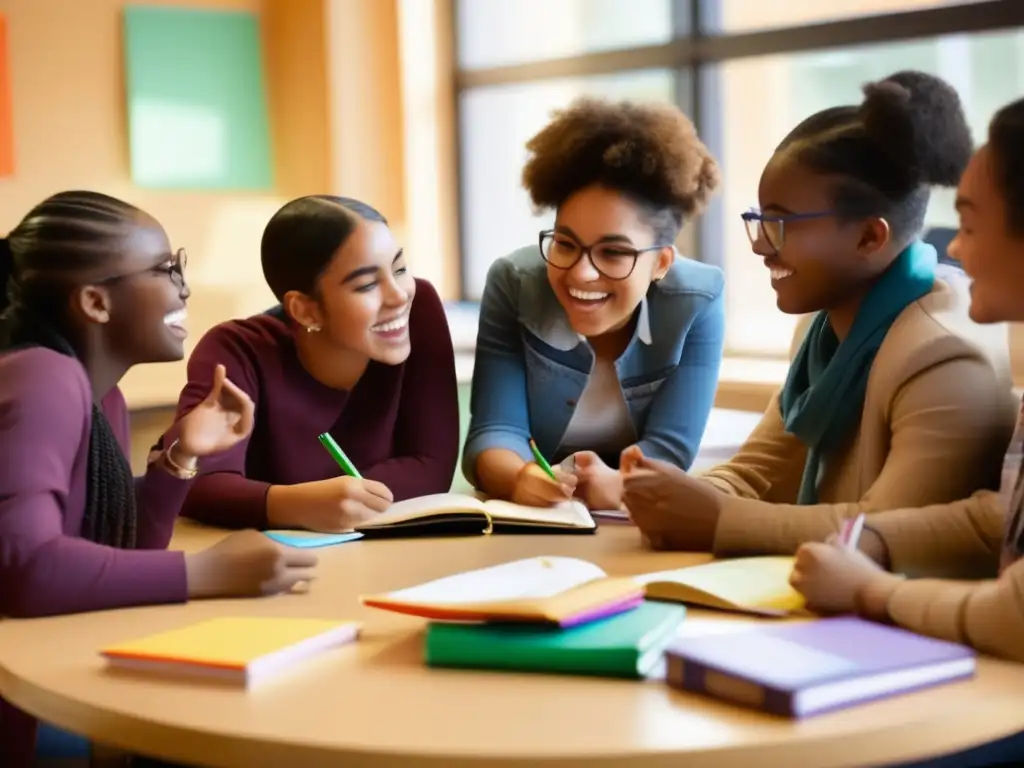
x=823, y=396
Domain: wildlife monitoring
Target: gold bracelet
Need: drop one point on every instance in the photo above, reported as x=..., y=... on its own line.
x=176, y=469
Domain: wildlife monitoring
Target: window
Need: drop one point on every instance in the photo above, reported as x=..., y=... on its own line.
x=748, y=15
x=779, y=91
x=496, y=122
x=500, y=32
x=747, y=71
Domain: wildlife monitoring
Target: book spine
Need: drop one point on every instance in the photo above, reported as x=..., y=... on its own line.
x=698, y=678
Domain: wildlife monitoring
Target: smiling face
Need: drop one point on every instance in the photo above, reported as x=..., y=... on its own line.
x=365, y=296
x=990, y=255
x=822, y=260
x=140, y=302
x=613, y=226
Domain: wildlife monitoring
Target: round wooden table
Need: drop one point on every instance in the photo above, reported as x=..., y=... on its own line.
x=375, y=703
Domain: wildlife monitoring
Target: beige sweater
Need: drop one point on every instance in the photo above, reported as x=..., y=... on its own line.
x=937, y=417
x=964, y=537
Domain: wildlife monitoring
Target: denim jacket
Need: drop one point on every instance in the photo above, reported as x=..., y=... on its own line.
x=531, y=366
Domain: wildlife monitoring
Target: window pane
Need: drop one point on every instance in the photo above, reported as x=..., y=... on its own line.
x=746, y=15
x=499, y=32
x=777, y=92
x=496, y=122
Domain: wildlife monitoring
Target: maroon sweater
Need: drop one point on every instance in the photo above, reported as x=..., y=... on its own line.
x=45, y=566
x=399, y=425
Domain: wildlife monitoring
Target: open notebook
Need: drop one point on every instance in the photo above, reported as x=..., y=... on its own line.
x=454, y=513
x=552, y=590
x=757, y=585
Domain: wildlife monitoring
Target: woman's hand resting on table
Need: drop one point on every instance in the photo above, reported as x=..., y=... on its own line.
x=247, y=564
x=673, y=510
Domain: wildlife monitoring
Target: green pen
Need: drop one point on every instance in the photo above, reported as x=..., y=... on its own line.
x=339, y=456
x=541, y=461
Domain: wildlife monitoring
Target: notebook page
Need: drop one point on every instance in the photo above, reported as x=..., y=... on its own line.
x=761, y=582
x=536, y=577
x=566, y=513
x=432, y=504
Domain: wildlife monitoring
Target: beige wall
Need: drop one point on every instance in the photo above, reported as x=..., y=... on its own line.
x=334, y=81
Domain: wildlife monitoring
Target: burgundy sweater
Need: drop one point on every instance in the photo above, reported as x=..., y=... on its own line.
x=46, y=568
x=399, y=424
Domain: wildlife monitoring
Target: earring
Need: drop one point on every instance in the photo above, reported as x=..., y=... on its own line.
x=312, y=329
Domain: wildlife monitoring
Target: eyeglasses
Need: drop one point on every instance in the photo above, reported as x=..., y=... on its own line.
x=614, y=261
x=773, y=228
x=173, y=267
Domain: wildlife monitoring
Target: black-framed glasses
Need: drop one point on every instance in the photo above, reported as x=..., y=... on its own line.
x=773, y=227
x=173, y=267
x=614, y=261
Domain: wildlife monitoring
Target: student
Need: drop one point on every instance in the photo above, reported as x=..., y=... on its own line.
x=598, y=337
x=894, y=399
x=91, y=287
x=357, y=348
x=976, y=535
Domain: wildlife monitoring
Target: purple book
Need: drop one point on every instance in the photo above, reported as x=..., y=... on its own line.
x=804, y=669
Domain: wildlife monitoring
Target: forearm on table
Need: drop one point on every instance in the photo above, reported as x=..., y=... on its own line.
x=227, y=500
x=496, y=472
x=987, y=615
x=750, y=526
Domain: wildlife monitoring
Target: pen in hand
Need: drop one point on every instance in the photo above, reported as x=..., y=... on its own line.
x=339, y=456
x=541, y=461
x=849, y=533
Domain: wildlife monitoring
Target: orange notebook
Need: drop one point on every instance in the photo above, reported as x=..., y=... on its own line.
x=556, y=590
x=231, y=649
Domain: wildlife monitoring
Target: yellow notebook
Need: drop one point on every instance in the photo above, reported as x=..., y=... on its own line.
x=757, y=585
x=557, y=590
x=232, y=649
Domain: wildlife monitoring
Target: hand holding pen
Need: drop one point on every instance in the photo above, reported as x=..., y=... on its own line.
x=540, y=485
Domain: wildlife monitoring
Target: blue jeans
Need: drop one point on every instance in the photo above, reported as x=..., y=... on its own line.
x=1006, y=751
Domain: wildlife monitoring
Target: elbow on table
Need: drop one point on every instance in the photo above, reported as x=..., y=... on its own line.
x=24, y=595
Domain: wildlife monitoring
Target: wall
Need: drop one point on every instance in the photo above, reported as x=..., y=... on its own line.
x=334, y=86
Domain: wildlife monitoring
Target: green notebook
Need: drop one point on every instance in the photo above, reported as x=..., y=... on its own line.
x=630, y=644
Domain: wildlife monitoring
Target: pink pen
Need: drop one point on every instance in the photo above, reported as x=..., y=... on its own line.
x=849, y=535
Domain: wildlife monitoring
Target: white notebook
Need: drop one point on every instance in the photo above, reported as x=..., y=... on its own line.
x=456, y=513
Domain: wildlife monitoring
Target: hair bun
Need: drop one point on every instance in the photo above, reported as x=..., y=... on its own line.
x=918, y=121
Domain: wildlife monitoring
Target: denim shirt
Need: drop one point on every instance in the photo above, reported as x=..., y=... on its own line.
x=531, y=366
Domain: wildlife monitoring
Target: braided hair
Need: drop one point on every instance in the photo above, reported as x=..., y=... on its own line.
x=65, y=233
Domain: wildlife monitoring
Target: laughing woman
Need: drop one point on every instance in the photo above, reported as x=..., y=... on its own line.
x=358, y=348
x=895, y=398
x=598, y=337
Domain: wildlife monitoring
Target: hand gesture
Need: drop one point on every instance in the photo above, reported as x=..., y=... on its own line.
x=329, y=506
x=533, y=487
x=673, y=510
x=219, y=422
x=833, y=579
x=597, y=485
x=247, y=564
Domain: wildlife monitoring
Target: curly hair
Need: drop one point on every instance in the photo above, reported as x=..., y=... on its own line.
x=909, y=134
x=648, y=151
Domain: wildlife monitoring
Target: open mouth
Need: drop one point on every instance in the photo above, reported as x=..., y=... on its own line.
x=588, y=299
x=392, y=329
x=175, y=322
x=780, y=273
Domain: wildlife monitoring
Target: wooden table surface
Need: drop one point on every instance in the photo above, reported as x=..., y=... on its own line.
x=375, y=703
